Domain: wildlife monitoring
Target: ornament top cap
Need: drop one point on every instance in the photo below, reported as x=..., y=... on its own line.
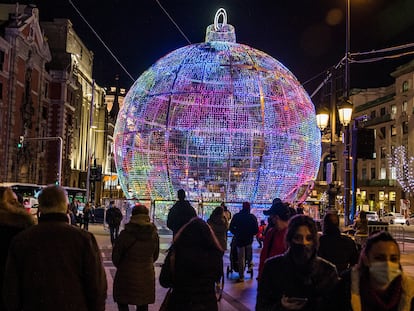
x=220, y=31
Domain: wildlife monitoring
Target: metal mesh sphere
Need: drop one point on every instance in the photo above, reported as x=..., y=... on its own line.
x=221, y=120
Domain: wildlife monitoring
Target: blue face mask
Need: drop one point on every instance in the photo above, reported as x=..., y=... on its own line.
x=384, y=272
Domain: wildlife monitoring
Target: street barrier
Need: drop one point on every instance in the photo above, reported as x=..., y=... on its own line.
x=397, y=231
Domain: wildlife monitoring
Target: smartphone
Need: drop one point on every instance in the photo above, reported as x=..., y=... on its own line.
x=297, y=299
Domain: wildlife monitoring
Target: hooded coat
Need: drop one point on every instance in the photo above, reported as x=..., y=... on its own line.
x=12, y=221
x=219, y=225
x=134, y=254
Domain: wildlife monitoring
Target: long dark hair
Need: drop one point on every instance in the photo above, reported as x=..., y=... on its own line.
x=301, y=220
x=196, y=233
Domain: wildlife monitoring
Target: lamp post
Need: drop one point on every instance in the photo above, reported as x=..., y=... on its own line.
x=322, y=120
x=345, y=115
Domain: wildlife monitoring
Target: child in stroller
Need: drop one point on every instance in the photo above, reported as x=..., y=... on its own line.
x=234, y=266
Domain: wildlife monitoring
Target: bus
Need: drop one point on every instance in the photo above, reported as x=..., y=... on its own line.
x=28, y=192
x=76, y=193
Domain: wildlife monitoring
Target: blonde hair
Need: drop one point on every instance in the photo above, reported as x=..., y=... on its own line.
x=53, y=199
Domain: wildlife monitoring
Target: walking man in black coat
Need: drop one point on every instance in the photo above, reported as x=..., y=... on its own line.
x=244, y=226
x=180, y=213
x=113, y=219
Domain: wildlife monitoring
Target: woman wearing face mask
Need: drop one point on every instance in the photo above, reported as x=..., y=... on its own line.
x=377, y=283
x=297, y=279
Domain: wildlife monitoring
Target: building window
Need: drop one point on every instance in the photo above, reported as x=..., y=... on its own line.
x=405, y=127
x=1, y=59
x=405, y=86
x=383, y=133
x=373, y=114
x=381, y=195
x=373, y=176
x=364, y=174
x=392, y=195
x=393, y=130
x=382, y=111
x=1, y=90
x=393, y=171
x=46, y=90
x=383, y=152
x=383, y=173
x=404, y=106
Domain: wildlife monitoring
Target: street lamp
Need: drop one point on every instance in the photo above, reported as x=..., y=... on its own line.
x=322, y=120
x=345, y=116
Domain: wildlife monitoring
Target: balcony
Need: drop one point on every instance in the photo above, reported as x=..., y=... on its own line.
x=377, y=183
x=378, y=120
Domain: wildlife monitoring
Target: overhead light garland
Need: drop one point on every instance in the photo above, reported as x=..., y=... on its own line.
x=404, y=168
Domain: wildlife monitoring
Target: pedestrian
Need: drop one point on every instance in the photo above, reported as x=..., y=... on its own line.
x=13, y=219
x=336, y=247
x=260, y=233
x=377, y=282
x=274, y=241
x=53, y=265
x=193, y=265
x=227, y=213
x=180, y=213
x=219, y=224
x=244, y=227
x=134, y=254
x=87, y=215
x=297, y=279
x=113, y=219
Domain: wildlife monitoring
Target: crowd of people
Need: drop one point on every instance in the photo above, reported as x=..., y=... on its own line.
x=53, y=264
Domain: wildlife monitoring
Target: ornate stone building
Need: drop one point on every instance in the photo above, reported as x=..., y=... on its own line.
x=24, y=101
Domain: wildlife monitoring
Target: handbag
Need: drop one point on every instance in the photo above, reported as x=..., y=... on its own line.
x=165, y=302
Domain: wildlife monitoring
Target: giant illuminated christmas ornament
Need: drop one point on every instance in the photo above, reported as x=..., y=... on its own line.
x=219, y=119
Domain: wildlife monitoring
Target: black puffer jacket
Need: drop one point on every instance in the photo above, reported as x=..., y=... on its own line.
x=281, y=276
x=134, y=254
x=179, y=215
x=244, y=227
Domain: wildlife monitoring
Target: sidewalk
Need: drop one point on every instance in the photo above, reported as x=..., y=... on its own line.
x=236, y=296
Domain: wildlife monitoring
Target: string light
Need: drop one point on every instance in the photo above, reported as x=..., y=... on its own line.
x=218, y=119
x=404, y=168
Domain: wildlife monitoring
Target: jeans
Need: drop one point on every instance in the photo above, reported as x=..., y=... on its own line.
x=244, y=255
x=113, y=232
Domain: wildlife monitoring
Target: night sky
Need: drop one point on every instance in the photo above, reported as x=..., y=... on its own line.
x=307, y=36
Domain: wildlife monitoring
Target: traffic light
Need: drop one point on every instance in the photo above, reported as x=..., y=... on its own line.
x=20, y=143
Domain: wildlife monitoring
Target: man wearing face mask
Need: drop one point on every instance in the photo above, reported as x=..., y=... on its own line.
x=377, y=283
x=297, y=279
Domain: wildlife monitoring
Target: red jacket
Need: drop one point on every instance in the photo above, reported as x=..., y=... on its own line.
x=274, y=244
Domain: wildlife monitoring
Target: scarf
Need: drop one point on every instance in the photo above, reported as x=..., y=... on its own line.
x=375, y=300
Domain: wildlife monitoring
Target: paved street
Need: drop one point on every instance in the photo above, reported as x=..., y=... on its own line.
x=236, y=296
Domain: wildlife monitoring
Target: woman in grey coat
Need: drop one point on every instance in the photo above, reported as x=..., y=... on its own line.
x=134, y=254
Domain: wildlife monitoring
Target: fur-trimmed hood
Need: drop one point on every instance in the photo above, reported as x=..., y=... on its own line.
x=15, y=217
x=407, y=294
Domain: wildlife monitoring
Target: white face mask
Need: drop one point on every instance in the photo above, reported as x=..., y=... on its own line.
x=384, y=272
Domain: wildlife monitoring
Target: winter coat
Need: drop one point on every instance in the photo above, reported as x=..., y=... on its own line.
x=274, y=244
x=244, y=227
x=134, y=254
x=192, y=277
x=339, y=249
x=346, y=296
x=179, y=215
x=219, y=225
x=113, y=216
x=281, y=276
x=54, y=266
x=12, y=221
